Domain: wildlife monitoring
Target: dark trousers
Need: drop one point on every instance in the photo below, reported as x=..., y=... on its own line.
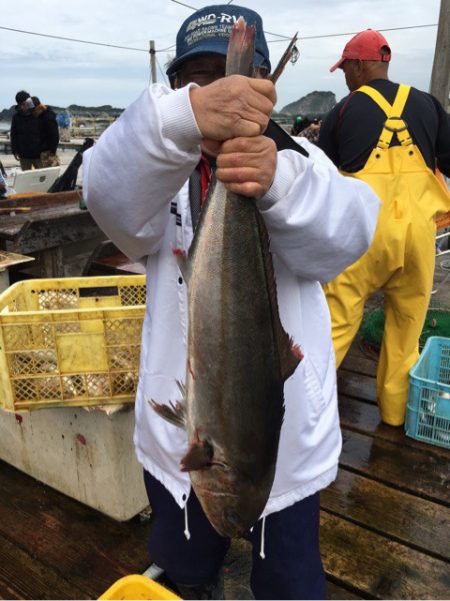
x=292, y=568
x=27, y=164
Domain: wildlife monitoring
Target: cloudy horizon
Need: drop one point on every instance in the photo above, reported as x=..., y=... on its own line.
x=62, y=72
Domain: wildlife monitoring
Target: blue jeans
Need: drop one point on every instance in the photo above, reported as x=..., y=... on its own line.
x=292, y=568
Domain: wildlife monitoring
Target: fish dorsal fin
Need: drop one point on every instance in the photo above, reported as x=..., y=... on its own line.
x=241, y=49
x=290, y=354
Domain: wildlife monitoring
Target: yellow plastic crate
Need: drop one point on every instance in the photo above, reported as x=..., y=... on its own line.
x=70, y=341
x=137, y=587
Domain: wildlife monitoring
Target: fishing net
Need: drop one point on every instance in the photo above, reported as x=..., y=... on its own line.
x=437, y=323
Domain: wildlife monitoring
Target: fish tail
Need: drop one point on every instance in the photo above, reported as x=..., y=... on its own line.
x=241, y=49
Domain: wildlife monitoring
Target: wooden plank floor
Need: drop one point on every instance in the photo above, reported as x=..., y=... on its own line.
x=385, y=521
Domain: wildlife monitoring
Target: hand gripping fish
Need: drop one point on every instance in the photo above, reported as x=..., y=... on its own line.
x=238, y=353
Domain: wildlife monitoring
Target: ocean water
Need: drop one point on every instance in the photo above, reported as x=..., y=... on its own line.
x=5, y=126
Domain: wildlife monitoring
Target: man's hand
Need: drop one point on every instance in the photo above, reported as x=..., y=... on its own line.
x=233, y=106
x=247, y=165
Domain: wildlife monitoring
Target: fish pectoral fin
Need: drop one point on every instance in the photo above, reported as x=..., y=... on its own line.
x=199, y=456
x=291, y=355
x=173, y=413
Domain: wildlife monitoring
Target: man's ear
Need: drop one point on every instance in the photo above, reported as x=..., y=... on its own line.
x=361, y=72
x=175, y=82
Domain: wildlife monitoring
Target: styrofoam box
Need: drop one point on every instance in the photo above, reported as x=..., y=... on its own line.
x=87, y=455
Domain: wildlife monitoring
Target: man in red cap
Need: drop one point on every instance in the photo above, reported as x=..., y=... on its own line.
x=368, y=45
x=395, y=138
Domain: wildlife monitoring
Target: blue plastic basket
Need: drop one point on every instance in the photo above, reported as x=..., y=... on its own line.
x=428, y=408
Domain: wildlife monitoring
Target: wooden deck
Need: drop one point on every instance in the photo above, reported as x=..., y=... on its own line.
x=385, y=521
x=51, y=227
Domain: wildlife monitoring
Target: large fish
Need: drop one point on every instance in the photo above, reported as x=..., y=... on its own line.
x=238, y=353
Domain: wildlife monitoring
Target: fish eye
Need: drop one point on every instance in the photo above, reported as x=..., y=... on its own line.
x=232, y=517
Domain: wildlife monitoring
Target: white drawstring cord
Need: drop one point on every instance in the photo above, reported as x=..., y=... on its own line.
x=263, y=528
x=187, y=534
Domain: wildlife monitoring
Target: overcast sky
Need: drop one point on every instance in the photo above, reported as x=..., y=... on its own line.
x=63, y=73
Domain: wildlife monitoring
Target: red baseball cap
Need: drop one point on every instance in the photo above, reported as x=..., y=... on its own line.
x=365, y=46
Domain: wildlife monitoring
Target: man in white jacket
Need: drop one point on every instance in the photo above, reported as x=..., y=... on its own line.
x=139, y=186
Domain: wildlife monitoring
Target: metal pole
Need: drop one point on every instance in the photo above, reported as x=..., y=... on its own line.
x=440, y=77
x=153, y=60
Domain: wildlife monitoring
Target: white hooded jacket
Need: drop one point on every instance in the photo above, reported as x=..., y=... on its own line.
x=319, y=222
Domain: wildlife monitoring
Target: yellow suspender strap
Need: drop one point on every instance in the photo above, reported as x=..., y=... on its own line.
x=378, y=99
x=400, y=100
x=393, y=112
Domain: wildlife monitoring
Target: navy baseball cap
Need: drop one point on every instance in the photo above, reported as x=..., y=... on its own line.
x=208, y=31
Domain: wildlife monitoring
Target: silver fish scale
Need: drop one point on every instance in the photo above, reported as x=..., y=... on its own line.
x=234, y=381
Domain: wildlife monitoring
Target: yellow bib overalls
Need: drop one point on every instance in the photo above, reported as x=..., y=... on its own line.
x=400, y=260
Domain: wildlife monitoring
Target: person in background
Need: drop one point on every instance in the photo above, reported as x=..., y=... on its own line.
x=393, y=137
x=3, y=184
x=48, y=133
x=25, y=134
x=306, y=205
x=300, y=123
x=312, y=131
x=63, y=121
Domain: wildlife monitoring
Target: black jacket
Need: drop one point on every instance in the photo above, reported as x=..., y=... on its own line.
x=48, y=129
x=25, y=135
x=352, y=128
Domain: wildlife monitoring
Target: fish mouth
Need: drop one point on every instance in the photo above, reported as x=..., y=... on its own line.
x=215, y=493
x=223, y=477
x=224, y=466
